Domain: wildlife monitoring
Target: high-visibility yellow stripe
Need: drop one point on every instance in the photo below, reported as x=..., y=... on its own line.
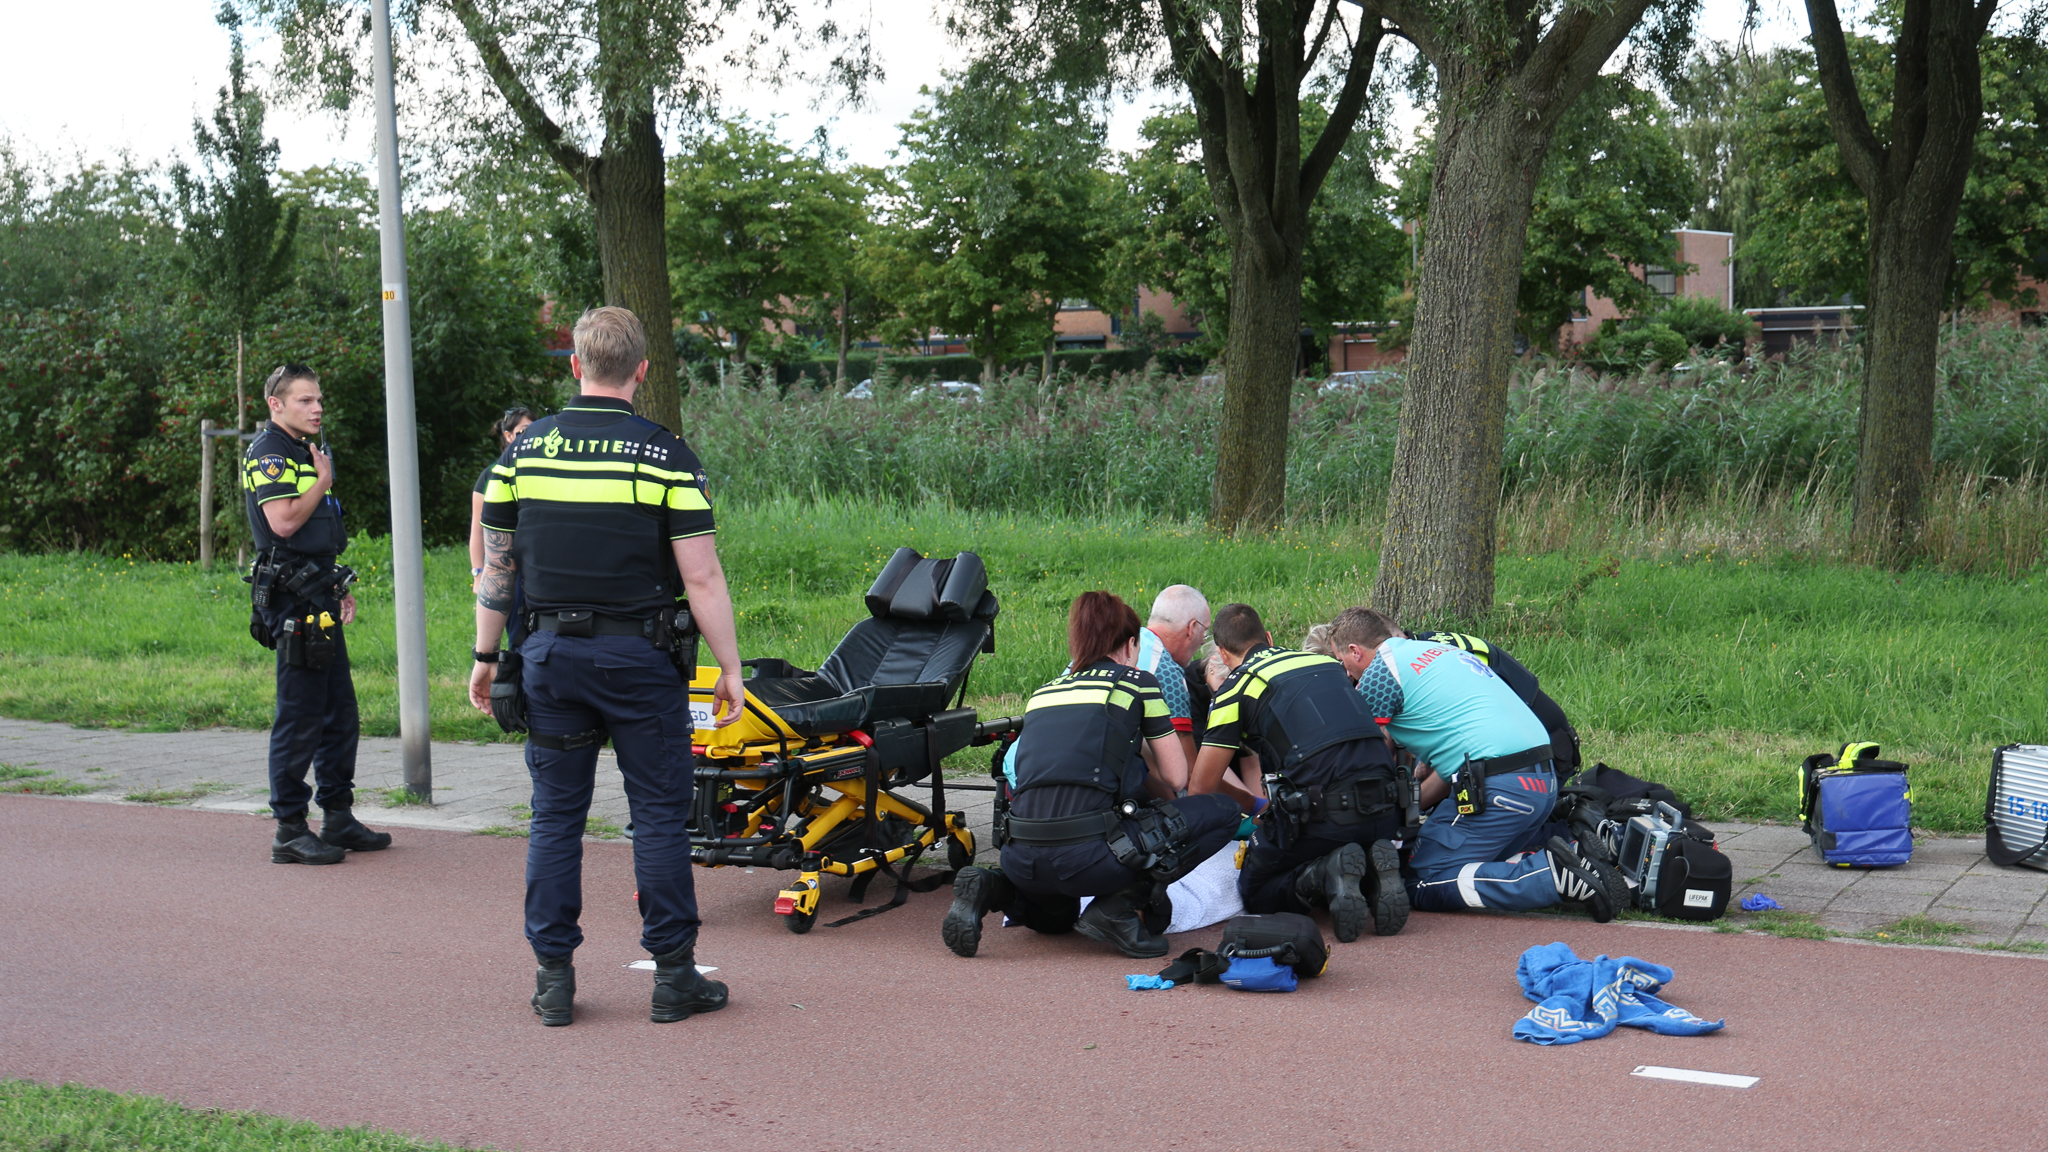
x=1223, y=716
x=1156, y=706
x=532, y=464
x=687, y=499
x=501, y=490
x=1068, y=694
x=1286, y=662
x=590, y=490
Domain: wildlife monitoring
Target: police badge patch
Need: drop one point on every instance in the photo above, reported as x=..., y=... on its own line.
x=271, y=466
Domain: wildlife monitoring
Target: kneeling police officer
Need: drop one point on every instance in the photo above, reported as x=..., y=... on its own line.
x=300, y=605
x=1079, y=822
x=1335, y=799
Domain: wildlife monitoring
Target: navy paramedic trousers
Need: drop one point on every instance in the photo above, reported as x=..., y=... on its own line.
x=1477, y=861
x=315, y=727
x=627, y=686
x=1051, y=881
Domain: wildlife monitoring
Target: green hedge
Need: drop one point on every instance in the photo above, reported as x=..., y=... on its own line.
x=861, y=366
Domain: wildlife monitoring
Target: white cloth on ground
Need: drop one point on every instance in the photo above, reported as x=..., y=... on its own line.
x=1208, y=895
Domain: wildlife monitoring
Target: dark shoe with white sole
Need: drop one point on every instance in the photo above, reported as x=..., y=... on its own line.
x=1580, y=881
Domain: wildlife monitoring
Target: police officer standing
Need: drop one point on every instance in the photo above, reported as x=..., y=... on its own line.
x=603, y=517
x=1335, y=800
x=301, y=607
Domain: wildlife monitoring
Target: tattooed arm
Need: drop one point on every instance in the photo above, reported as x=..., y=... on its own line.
x=493, y=602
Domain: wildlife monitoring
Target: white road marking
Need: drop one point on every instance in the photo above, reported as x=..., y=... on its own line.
x=1722, y=1079
x=648, y=966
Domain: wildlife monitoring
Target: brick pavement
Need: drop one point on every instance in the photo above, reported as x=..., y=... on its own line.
x=480, y=786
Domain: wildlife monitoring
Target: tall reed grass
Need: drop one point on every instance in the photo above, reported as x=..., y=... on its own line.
x=1711, y=459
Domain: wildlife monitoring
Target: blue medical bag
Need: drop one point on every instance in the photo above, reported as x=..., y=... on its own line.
x=1857, y=808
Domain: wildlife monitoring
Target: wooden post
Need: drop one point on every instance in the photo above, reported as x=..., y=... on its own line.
x=206, y=494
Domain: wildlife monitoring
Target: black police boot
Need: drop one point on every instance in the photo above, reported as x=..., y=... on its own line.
x=296, y=844
x=554, y=990
x=1580, y=881
x=1344, y=873
x=1116, y=920
x=339, y=827
x=680, y=990
x=1384, y=889
x=976, y=892
x=1157, y=910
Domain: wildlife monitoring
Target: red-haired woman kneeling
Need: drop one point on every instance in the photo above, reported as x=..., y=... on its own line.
x=1093, y=812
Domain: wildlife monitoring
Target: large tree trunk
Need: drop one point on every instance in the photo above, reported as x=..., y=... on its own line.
x=1436, y=560
x=1258, y=386
x=627, y=188
x=1909, y=259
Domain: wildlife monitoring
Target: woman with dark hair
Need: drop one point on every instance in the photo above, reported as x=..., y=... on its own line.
x=1092, y=811
x=503, y=433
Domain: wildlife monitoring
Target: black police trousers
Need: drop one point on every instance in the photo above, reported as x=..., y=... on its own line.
x=315, y=727
x=628, y=687
x=1050, y=882
x=1266, y=882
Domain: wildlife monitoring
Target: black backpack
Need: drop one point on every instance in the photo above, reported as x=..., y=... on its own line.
x=1288, y=938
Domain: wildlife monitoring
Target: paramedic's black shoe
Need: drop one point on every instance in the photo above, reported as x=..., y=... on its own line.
x=296, y=844
x=1115, y=920
x=974, y=894
x=1344, y=873
x=1579, y=882
x=1384, y=890
x=339, y=827
x=680, y=990
x=554, y=990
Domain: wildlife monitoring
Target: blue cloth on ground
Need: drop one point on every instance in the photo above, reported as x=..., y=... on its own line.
x=1259, y=975
x=1141, y=983
x=1585, y=999
x=1758, y=902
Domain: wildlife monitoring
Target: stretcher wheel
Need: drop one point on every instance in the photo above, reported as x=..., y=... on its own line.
x=799, y=922
x=958, y=855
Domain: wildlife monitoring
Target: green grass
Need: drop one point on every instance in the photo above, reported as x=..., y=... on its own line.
x=501, y=830
x=1708, y=664
x=38, y=782
x=400, y=797
x=177, y=795
x=1917, y=929
x=602, y=829
x=71, y=1118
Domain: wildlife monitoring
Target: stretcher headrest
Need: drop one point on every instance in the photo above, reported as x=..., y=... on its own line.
x=912, y=587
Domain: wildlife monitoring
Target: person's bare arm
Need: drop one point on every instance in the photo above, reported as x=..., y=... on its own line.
x=493, y=604
x=289, y=514
x=1188, y=747
x=476, y=530
x=1208, y=776
x=1163, y=756
x=711, y=609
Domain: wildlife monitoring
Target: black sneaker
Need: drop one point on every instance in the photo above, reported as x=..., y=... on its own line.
x=1579, y=882
x=1115, y=920
x=1385, y=891
x=1344, y=873
x=340, y=828
x=296, y=844
x=974, y=893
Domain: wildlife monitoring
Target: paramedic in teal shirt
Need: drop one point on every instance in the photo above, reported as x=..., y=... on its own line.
x=1460, y=719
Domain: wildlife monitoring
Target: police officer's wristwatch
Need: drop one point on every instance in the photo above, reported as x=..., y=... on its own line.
x=486, y=657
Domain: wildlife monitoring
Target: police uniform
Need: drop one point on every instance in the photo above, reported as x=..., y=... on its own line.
x=316, y=723
x=1564, y=739
x=1458, y=716
x=593, y=498
x=1080, y=822
x=1338, y=789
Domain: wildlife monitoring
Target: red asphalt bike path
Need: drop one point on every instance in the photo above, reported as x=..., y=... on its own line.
x=159, y=951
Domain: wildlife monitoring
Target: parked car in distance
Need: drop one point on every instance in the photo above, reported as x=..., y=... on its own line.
x=963, y=390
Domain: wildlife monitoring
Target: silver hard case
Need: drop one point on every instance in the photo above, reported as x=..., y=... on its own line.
x=2018, y=805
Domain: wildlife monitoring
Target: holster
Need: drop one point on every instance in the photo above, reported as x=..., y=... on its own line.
x=1287, y=810
x=1155, y=848
x=676, y=633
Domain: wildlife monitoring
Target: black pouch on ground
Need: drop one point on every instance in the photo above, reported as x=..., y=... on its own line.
x=1290, y=938
x=1695, y=880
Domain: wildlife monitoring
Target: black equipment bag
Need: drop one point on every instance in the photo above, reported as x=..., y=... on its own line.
x=1696, y=879
x=1288, y=937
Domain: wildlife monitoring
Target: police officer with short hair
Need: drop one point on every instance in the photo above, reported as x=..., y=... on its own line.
x=1335, y=799
x=603, y=517
x=1092, y=811
x=301, y=607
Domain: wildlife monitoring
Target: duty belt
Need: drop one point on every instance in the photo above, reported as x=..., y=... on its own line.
x=1064, y=830
x=584, y=622
x=1514, y=761
x=1352, y=801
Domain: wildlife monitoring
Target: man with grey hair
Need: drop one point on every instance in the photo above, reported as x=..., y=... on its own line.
x=603, y=515
x=1179, y=624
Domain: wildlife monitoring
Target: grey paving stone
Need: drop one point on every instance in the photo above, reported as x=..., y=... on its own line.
x=1766, y=838
x=2002, y=893
x=1894, y=903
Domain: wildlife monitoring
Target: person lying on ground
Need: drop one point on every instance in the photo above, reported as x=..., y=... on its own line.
x=1092, y=809
x=1488, y=780
x=1318, y=641
x=1325, y=837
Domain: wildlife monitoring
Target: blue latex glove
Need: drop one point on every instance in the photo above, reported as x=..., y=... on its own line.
x=1758, y=902
x=1141, y=983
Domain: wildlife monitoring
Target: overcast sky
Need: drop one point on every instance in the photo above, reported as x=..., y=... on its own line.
x=94, y=77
